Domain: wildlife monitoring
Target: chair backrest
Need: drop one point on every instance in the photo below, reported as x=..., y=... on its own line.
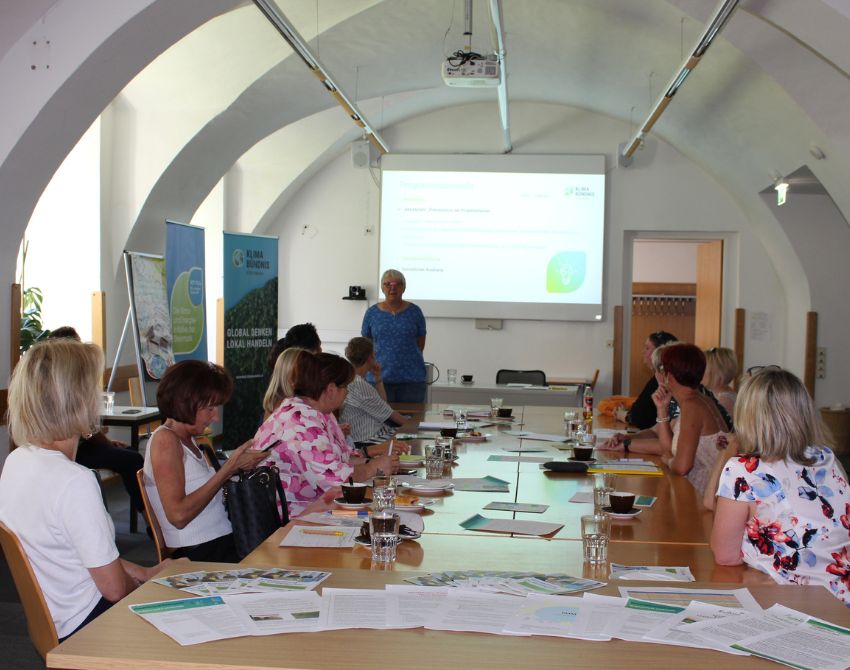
x=162, y=551
x=135, y=390
x=432, y=373
x=595, y=379
x=39, y=622
x=536, y=377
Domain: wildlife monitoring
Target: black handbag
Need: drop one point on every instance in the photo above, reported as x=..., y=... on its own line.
x=251, y=497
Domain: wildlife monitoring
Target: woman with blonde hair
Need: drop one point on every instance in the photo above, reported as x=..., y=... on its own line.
x=280, y=384
x=783, y=502
x=721, y=369
x=53, y=504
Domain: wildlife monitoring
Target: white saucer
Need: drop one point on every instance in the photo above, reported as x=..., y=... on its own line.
x=340, y=502
x=626, y=515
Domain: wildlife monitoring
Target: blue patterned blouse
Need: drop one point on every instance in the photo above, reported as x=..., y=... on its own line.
x=394, y=337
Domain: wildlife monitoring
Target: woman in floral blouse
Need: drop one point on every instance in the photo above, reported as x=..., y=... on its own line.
x=312, y=455
x=783, y=504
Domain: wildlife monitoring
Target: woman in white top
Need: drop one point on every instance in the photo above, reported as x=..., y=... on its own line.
x=53, y=504
x=184, y=489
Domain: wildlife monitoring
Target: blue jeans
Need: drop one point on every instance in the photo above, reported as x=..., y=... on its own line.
x=405, y=392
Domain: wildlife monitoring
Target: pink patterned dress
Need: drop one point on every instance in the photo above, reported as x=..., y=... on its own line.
x=313, y=455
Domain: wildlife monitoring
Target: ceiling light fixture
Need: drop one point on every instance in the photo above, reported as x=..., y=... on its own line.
x=300, y=47
x=721, y=15
x=781, y=187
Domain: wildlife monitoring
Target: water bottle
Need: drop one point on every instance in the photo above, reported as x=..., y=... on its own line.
x=587, y=403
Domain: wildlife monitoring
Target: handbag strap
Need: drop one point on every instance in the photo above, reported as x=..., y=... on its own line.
x=284, y=506
x=209, y=452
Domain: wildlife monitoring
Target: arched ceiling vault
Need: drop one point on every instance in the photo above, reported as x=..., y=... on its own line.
x=741, y=115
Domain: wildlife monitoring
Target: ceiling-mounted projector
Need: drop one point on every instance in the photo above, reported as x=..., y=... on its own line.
x=471, y=72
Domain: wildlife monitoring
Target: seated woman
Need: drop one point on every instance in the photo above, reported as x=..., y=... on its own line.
x=721, y=369
x=313, y=455
x=280, y=384
x=642, y=413
x=184, y=489
x=782, y=503
x=691, y=443
x=365, y=407
x=302, y=336
x=97, y=451
x=50, y=502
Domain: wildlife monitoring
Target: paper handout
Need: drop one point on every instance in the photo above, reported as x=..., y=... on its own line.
x=520, y=527
x=517, y=507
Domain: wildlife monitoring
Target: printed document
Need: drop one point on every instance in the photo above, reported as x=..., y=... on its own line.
x=354, y=608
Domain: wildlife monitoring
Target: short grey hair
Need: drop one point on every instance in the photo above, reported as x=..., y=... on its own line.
x=393, y=274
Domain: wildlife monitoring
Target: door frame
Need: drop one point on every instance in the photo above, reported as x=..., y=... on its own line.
x=731, y=255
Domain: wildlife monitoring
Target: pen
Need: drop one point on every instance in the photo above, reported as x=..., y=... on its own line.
x=349, y=512
x=311, y=531
x=390, y=451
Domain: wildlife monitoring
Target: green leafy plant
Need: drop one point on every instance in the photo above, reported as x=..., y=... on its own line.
x=32, y=329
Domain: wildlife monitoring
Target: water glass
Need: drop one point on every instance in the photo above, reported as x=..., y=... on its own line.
x=383, y=497
x=595, y=533
x=451, y=375
x=460, y=420
x=569, y=423
x=108, y=400
x=383, y=530
x=587, y=439
x=495, y=406
x=576, y=427
x=603, y=485
x=444, y=446
x=434, y=467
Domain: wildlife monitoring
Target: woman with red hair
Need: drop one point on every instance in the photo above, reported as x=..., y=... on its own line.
x=691, y=443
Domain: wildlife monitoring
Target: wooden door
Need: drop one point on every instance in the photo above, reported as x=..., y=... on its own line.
x=709, y=294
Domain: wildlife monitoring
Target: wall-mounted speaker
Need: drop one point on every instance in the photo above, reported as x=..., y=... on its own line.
x=361, y=153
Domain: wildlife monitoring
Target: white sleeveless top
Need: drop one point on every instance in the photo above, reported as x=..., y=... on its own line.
x=211, y=523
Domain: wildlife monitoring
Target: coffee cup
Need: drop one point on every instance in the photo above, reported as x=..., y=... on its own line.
x=583, y=453
x=506, y=412
x=448, y=432
x=354, y=493
x=466, y=379
x=621, y=502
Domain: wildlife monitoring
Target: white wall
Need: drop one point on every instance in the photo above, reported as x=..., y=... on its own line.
x=667, y=195
x=665, y=261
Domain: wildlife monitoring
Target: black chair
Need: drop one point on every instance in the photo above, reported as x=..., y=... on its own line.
x=534, y=377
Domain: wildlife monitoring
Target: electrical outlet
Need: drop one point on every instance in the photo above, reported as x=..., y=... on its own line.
x=820, y=363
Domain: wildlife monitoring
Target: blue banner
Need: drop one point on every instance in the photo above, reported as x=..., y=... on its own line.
x=250, y=329
x=185, y=281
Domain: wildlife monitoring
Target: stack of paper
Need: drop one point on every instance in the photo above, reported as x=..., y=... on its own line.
x=244, y=580
x=503, y=603
x=655, y=573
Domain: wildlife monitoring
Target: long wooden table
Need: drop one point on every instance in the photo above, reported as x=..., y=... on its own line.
x=673, y=532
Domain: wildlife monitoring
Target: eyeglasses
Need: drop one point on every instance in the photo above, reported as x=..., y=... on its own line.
x=391, y=284
x=758, y=368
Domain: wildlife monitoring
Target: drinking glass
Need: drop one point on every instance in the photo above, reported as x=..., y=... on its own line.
x=569, y=423
x=603, y=485
x=451, y=375
x=495, y=406
x=383, y=497
x=587, y=440
x=460, y=419
x=433, y=462
x=595, y=533
x=383, y=529
x=383, y=492
x=108, y=399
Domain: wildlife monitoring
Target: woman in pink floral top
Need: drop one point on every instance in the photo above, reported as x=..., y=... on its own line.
x=783, y=505
x=313, y=456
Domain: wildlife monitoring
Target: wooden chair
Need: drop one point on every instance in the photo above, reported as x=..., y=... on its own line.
x=594, y=380
x=535, y=377
x=162, y=551
x=39, y=622
x=135, y=390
